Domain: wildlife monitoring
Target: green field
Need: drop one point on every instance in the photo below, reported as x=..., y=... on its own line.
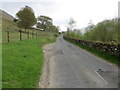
x=22, y=62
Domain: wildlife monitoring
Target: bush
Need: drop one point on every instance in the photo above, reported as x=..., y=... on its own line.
x=55, y=35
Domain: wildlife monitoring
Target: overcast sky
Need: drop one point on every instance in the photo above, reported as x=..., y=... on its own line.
x=82, y=11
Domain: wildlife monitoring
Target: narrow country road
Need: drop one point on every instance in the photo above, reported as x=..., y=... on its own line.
x=68, y=66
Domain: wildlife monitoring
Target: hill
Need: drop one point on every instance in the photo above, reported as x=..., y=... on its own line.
x=5, y=15
x=7, y=21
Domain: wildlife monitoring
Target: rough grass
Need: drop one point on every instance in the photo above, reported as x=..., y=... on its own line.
x=14, y=32
x=106, y=56
x=22, y=62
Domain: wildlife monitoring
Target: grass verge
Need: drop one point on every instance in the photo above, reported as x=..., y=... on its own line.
x=22, y=62
x=106, y=56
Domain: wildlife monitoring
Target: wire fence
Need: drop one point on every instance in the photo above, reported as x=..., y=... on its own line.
x=19, y=35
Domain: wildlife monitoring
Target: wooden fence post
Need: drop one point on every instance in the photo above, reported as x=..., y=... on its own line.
x=8, y=36
x=36, y=34
x=28, y=34
x=20, y=35
x=32, y=33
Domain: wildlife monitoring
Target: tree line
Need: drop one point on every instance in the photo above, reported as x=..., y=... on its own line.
x=25, y=18
x=107, y=31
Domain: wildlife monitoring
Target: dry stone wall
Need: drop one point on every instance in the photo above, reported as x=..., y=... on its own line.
x=113, y=49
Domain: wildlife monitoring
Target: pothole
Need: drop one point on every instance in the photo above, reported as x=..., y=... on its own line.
x=70, y=46
x=108, y=76
x=100, y=70
x=58, y=52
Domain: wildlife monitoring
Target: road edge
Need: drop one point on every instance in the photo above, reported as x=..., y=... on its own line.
x=44, y=77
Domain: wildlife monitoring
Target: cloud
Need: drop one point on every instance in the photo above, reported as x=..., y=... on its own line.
x=82, y=11
x=44, y=8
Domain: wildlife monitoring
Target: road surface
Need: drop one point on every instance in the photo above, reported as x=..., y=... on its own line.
x=68, y=66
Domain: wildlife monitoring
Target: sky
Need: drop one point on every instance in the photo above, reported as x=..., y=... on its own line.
x=82, y=11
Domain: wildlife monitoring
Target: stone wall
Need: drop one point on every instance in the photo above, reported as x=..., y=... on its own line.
x=113, y=49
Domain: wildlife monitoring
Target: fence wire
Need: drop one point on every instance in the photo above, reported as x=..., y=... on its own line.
x=19, y=35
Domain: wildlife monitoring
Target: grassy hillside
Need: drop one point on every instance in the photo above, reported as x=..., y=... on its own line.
x=22, y=61
x=5, y=15
x=7, y=22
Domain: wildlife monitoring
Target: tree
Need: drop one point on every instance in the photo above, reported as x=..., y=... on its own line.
x=58, y=28
x=44, y=22
x=90, y=25
x=105, y=31
x=70, y=26
x=53, y=28
x=26, y=18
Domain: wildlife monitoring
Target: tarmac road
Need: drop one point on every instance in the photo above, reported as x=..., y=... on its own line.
x=68, y=66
